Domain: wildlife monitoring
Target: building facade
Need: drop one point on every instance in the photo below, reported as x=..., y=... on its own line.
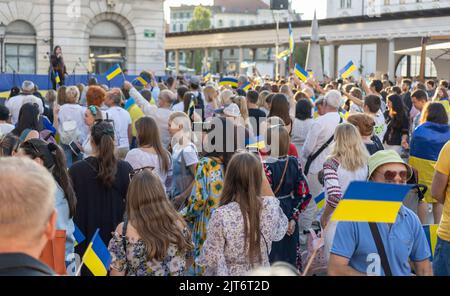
x=365, y=55
x=93, y=34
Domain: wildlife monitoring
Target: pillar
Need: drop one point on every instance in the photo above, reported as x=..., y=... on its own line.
x=391, y=59
x=177, y=62
x=193, y=58
x=254, y=51
x=221, y=62
x=241, y=59
x=332, y=60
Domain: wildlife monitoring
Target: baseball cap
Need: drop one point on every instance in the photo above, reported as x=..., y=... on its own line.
x=333, y=98
x=383, y=157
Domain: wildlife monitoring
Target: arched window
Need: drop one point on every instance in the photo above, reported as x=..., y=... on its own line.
x=108, y=44
x=20, y=48
x=409, y=66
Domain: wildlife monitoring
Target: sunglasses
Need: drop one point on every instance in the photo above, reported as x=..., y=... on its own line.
x=389, y=176
x=138, y=171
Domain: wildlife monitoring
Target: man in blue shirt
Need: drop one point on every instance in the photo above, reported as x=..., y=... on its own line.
x=354, y=251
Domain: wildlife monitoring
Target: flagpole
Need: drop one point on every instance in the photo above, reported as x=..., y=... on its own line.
x=79, y=268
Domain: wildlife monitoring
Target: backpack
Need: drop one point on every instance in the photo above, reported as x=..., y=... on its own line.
x=69, y=132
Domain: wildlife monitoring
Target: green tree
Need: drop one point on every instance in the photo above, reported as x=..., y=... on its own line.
x=201, y=19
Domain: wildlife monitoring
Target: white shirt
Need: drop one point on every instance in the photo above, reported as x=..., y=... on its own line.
x=161, y=115
x=300, y=130
x=122, y=120
x=380, y=125
x=179, y=107
x=321, y=130
x=15, y=103
x=5, y=128
x=74, y=112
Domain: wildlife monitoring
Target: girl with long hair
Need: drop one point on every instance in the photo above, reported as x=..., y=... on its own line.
x=52, y=157
x=208, y=181
x=441, y=96
x=92, y=115
x=290, y=187
x=280, y=108
x=397, y=132
x=150, y=151
x=154, y=239
x=347, y=162
x=242, y=229
x=28, y=126
x=211, y=100
x=101, y=183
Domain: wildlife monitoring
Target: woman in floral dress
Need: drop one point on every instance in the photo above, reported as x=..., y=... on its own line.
x=241, y=230
x=153, y=240
x=208, y=182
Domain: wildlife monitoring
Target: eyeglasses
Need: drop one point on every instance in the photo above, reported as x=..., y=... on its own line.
x=138, y=171
x=389, y=176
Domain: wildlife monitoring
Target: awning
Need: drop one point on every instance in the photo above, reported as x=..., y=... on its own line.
x=434, y=51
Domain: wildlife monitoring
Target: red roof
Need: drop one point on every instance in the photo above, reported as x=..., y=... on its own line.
x=241, y=6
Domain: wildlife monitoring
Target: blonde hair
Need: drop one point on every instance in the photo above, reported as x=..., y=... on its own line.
x=348, y=147
x=225, y=97
x=241, y=102
x=72, y=95
x=262, y=98
x=210, y=93
x=27, y=198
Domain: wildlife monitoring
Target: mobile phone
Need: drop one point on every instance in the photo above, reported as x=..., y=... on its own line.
x=75, y=148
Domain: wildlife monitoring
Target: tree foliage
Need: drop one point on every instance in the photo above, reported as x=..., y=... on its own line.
x=201, y=19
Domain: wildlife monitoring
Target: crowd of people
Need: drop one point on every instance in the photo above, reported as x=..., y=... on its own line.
x=193, y=177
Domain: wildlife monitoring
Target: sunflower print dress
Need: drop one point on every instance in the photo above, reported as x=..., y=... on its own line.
x=204, y=199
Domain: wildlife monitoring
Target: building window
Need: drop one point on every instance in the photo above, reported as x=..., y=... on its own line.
x=242, y=23
x=21, y=58
x=232, y=23
x=20, y=48
x=409, y=66
x=181, y=28
x=346, y=4
x=174, y=27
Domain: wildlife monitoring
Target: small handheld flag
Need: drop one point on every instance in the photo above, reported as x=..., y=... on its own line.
x=291, y=39
x=135, y=114
x=113, y=72
x=79, y=236
x=301, y=73
x=233, y=82
x=371, y=202
x=347, y=70
x=320, y=200
x=57, y=78
x=97, y=257
x=206, y=76
x=283, y=54
x=140, y=81
x=256, y=143
x=246, y=87
x=431, y=234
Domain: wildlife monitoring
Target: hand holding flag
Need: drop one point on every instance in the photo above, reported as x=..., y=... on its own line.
x=97, y=257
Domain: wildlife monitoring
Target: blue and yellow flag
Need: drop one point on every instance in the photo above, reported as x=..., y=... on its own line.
x=320, y=201
x=371, y=202
x=206, y=76
x=348, y=70
x=140, y=81
x=79, y=236
x=97, y=257
x=256, y=143
x=113, y=72
x=291, y=39
x=233, y=82
x=284, y=54
x=246, y=87
x=301, y=73
x=431, y=234
x=426, y=143
x=57, y=78
x=135, y=114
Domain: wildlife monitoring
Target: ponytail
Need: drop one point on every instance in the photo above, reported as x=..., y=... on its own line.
x=103, y=137
x=61, y=176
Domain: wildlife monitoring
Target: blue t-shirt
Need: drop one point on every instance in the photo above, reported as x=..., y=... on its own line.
x=404, y=240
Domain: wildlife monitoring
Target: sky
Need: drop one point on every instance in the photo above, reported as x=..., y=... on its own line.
x=301, y=6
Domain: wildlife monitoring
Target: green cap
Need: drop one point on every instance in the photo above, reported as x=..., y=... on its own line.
x=383, y=157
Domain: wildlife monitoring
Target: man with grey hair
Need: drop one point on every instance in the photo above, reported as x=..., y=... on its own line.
x=161, y=113
x=27, y=216
x=15, y=103
x=122, y=121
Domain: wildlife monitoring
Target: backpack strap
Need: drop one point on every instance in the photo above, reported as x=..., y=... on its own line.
x=124, y=243
x=380, y=248
x=282, y=177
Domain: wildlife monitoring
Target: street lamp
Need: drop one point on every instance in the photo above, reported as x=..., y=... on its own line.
x=2, y=41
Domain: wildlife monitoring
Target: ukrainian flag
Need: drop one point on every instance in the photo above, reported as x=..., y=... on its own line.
x=135, y=113
x=113, y=72
x=283, y=54
x=79, y=236
x=291, y=39
x=348, y=70
x=206, y=76
x=431, y=234
x=140, y=81
x=371, y=202
x=246, y=87
x=97, y=257
x=427, y=142
x=256, y=143
x=57, y=78
x=301, y=73
x=320, y=201
x=233, y=82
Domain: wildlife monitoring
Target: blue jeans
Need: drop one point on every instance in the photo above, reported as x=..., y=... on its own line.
x=71, y=158
x=441, y=260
